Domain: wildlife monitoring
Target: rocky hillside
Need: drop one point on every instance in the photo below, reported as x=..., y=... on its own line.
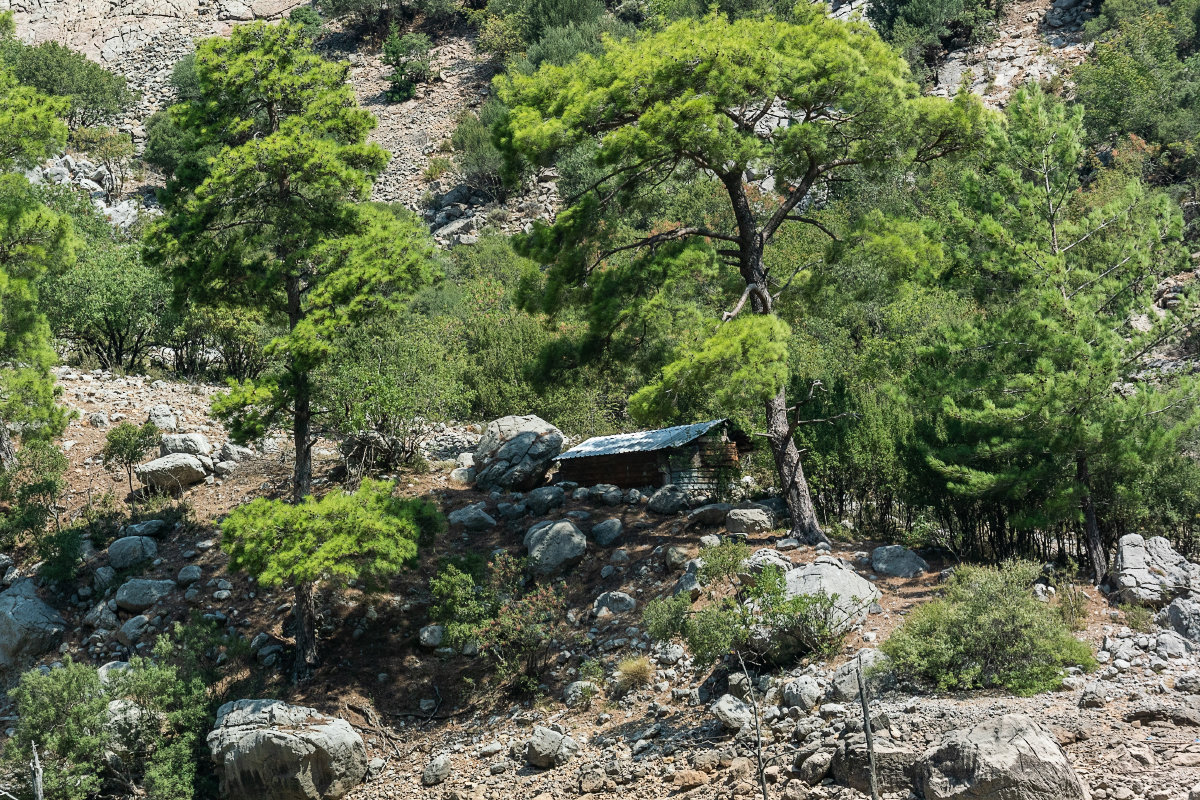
x=393, y=717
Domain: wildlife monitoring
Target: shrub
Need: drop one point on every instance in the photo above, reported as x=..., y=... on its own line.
x=410, y=60
x=988, y=631
x=437, y=167
x=1138, y=618
x=1072, y=606
x=111, y=148
x=32, y=488
x=96, y=95
x=634, y=672
x=516, y=627
x=759, y=623
x=562, y=44
x=126, y=444
x=309, y=21
x=479, y=160
x=922, y=31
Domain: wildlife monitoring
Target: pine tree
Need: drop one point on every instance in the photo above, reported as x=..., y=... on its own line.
x=721, y=104
x=1046, y=409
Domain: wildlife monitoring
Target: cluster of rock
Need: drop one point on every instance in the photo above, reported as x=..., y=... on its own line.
x=99, y=184
x=187, y=458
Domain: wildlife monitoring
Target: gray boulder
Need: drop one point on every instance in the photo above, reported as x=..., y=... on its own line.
x=893, y=764
x=732, y=713
x=516, y=453
x=269, y=750
x=613, y=603
x=543, y=499
x=554, y=545
x=170, y=472
x=548, y=748
x=668, y=500
x=749, y=519
x=579, y=693
x=28, y=627
x=234, y=452
x=1006, y=758
x=431, y=635
x=139, y=594
x=436, y=771
x=1183, y=616
x=189, y=575
x=473, y=517
x=132, y=631
x=606, y=533
x=100, y=617
x=129, y=551
x=852, y=594
x=803, y=692
x=876, y=672
x=195, y=444
x=163, y=417
x=151, y=527
x=760, y=560
x=1170, y=645
x=897, y=561
x=103, y=578
x=1150, y=572
x=709, y=515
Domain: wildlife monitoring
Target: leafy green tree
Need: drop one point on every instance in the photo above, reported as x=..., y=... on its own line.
x=32, y=487
x=95, y=94
x=1044, y=416
x=34, y=241
x=923, y=31
x=365, y=537
x=62, y=712
x=693, y=103
x=110, y=305
x=126, y=444
x=308, y=19
x=273, y=223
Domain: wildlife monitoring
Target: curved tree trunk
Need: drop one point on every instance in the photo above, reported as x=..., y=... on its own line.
x=793, y=484
x=1092, y=539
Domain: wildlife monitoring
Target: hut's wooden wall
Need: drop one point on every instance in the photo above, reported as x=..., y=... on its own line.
x=627, y=470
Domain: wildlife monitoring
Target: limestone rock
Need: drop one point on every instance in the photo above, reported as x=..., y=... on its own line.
x=548, y=748
x=668, y=500
x=269, y=750
x=195, y=444
x=733, y=713
x=515, y=453
x=607, y=532
x=554, y=545
x=852, y=594
x=171, y=472
x=1150, y=572
x=752, y=519
x=129, y=551
x=614, y=603
x=897, y=561
x=1006, y=758
x=473, y=517
x=139, y=594
x=28, y=627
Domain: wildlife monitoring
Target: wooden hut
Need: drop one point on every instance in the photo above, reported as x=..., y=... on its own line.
x=701, y=458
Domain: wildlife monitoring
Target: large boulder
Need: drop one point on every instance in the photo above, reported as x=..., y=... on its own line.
x=876, y=669
x=893, y=764
x=1006, y=758
x=669, y=500
x=140, y=594
x=129, y=551
x=749, y=519
x=607, y=532
x=548, y=748
x=1183, y=616
x=760, y=560
x=897, y=562
x=195, y=444
x=516, y=453
x=473, y=517
x=170, y=472
x=554, y=545
x=732, y=713
x=269, y=750
x=28, y=627
x=852, y=594
x=1150, y=571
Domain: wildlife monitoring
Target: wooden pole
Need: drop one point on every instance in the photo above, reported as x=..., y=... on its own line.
x=862, y=695
x=35, y=767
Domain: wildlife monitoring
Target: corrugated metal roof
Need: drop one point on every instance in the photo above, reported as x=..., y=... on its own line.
x=642, y=441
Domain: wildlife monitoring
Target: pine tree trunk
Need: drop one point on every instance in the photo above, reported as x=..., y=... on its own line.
x=8, y=451
x=1092, y=539
x=793, y=484
x=304, y=615
x=301, y=403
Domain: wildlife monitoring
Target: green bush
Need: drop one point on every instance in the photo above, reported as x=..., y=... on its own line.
x=922, y=31
x=96, y=95
x=126, y=444
x=309, y=21
x=479, y=160
x=31, y=487
x=561, y=44
x=988, y=631
x=517, y=627
x=759, y=622
x=410, y=60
